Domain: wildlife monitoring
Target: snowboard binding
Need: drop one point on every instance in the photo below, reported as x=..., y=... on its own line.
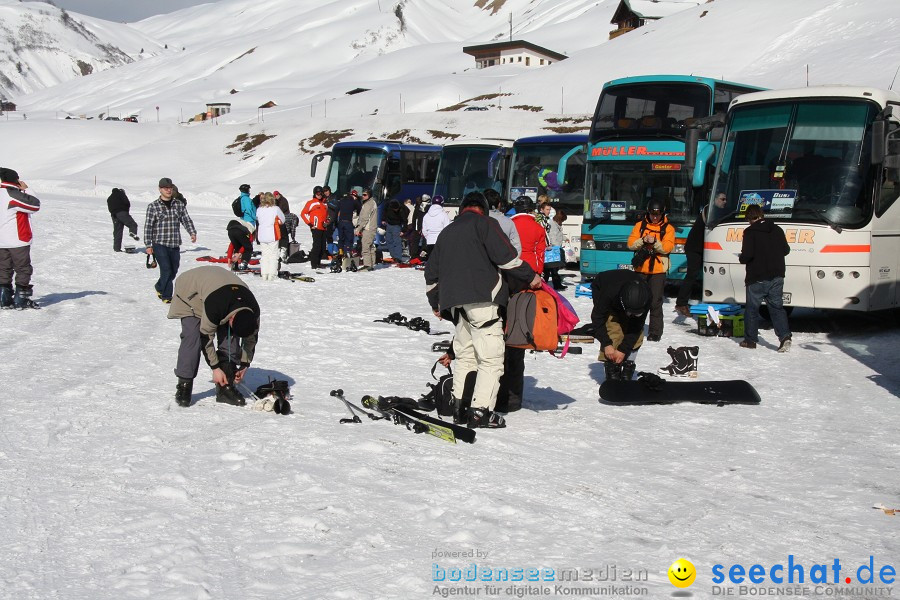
x=419, y=324
x=280, y=391
x=684, y=362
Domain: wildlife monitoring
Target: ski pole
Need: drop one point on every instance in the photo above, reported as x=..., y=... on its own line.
x=340, y=395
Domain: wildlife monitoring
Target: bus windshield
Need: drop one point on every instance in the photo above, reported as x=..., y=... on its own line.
x=620, y=192
x=353, y=168
x=534, y=174
x=640, y=109
x=464, y=169
x=802, y=161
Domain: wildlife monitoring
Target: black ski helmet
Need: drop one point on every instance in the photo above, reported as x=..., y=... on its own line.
x=317, y=190
x=524, y=204
x=245, y=188
x=475, y=199
x=635, y=297
x=656, y=204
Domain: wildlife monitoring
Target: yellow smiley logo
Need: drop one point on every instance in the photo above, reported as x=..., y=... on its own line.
x=682, y=573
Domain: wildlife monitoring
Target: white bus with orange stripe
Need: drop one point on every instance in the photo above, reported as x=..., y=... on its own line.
x=824, y=163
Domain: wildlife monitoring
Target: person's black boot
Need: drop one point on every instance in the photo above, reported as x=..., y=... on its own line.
x=183, y=390
x=6, y=296
x=628, y=368
x=484, y=418
x=229, y=395
x=22, y=298
x=613, y=371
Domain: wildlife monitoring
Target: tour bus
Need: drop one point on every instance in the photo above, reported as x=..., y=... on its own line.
x=824, y=164
x=391, y=169
x=636, y=154
x=471, y=165
x=533, y=171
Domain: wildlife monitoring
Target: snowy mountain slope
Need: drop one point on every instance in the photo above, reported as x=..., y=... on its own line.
x=42, y=45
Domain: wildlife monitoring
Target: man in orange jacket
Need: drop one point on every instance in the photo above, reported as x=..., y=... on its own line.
x=652, y=240
x=314, y=214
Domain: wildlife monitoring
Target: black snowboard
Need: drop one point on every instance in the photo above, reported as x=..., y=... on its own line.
x=671, y=392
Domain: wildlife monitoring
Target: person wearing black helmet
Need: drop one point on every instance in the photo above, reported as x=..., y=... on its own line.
x=464, y=284
x=652, y=239
x=621, y=302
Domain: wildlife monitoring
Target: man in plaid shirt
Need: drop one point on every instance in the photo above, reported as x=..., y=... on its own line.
x=163, y=237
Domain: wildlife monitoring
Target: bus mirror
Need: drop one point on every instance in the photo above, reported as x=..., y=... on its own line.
x=690, y=148
x=879, y=139
x=315, y=161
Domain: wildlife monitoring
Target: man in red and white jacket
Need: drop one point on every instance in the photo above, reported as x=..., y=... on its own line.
x=15, y=242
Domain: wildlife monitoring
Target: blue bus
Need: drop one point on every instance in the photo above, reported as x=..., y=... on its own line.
x=471, y=165
x=391, y=169
x=534, y=171
x=636, y=154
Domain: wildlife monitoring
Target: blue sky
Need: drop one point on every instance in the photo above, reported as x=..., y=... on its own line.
x=126, y=10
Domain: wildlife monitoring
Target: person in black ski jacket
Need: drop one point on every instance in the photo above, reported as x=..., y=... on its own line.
x=347, y=208
x=693, y=251
x=119, y=207
x=622, y=301
x=394, y=221
x=464, y=284
x=763, y=250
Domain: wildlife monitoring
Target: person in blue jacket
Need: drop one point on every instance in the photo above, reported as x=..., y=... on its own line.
x=247, y=204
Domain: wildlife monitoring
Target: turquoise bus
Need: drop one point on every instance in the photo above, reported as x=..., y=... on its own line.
x=636, y=154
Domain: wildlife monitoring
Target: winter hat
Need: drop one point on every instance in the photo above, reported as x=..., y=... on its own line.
x=276, y=193
x=245, y=187
x=439, y=200
x=9, y=176
x=244, y=323
x=475, y=199
x=426, y=198
x=165, y=182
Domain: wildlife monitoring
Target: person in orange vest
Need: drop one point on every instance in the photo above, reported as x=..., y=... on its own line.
x=313, y=214
x=652, y=239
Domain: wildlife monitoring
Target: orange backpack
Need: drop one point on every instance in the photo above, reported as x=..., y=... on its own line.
x=531, y=321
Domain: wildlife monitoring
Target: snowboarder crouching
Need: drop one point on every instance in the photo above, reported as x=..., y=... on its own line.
x=621, y=303
x=213, y=302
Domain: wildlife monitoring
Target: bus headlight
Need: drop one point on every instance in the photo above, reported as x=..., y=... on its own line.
x=854, y=274
x=839, y=274
x=678, y=249
x=588, y=245
x=820, y=274
x=721, y=270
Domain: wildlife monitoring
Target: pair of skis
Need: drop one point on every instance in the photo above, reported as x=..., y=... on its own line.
x=401, y=412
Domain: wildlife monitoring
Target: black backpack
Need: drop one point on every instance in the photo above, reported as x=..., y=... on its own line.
x=236, y=207
x=440, y=396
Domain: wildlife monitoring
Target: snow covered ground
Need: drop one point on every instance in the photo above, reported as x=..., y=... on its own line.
x=112, y=491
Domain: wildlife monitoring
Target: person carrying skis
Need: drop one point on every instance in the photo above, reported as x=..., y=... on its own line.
x=220, y=320
x=15, y=242
x=163, y=237
x=314, y=214
x=622, y=300
x=119, y=207
x=464, y=284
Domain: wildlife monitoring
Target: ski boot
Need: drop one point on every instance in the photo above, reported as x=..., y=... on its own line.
x=613, y=371
x=484, y=418
x=229, y=395
x=6, y=296
x=22, y=298
x=460, y=409
x=183, y=390
x=684, y=362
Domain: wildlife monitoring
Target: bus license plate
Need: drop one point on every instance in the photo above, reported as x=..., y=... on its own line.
x=628, y=266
